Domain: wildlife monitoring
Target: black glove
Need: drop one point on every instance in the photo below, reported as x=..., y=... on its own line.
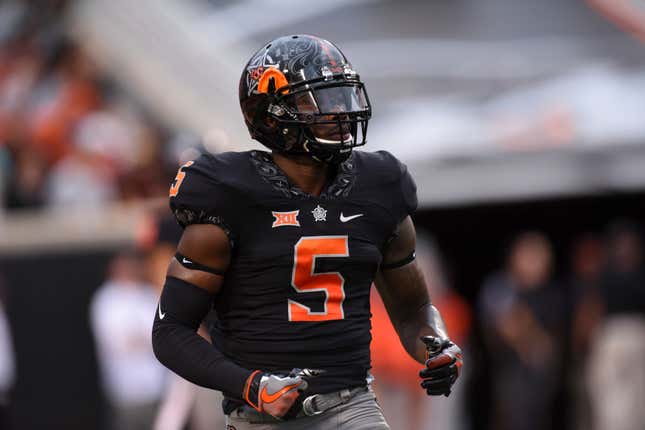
x=443, y=364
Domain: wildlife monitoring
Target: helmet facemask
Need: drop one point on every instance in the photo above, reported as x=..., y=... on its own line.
x=325, y=118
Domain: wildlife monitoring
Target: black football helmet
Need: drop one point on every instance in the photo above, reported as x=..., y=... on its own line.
x=300, y=95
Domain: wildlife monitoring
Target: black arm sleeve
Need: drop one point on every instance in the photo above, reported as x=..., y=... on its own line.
x=176, y=344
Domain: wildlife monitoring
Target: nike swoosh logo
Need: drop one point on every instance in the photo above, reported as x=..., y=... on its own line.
x=186, y=261
x=348, y=218
x=270, y=398
x=161, y=314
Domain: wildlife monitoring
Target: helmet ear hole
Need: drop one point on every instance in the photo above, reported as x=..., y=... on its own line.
x=270, y=123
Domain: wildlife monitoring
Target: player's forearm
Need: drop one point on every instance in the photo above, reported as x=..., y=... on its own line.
x=179, y=347
x=183, y=351
x=426, y=320
x=408, y=304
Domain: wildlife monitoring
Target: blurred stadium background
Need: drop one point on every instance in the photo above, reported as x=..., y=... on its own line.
x=522, y=121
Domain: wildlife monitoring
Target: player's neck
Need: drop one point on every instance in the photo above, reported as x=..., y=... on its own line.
x=304, y=172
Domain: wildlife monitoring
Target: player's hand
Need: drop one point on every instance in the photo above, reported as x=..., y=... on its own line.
x=273, y=394
x=443, y=365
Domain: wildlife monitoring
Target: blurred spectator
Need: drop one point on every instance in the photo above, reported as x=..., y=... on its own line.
x=67, y=91
x=81, y=178
x=617, y=361
x=121, y=319
x=66, y=136
x=623, y=283
x=20, y=68
x=405, y=405
x=587, y=265
x=522, y=314
x=87, y=174
x=26, y=183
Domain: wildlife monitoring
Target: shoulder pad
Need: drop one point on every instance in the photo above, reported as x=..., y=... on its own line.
x=204, y=191
x=384, y=166
x=393, y=175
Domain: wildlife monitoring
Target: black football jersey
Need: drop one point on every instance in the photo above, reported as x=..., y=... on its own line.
x=296, y=294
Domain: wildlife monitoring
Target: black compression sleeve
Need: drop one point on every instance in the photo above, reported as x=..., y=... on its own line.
x=175, y=341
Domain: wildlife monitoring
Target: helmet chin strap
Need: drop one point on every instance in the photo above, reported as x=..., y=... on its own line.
x=326, y=156
x=335, y=142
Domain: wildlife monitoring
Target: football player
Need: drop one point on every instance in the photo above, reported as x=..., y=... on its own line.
x=285, y=246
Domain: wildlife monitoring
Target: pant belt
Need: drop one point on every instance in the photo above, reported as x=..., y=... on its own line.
x=319, y=403
x=312, y=405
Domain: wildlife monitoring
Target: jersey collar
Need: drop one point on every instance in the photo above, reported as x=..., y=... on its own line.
x=274, y=176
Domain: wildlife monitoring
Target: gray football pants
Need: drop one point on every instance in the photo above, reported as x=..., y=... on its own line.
x=361, y=412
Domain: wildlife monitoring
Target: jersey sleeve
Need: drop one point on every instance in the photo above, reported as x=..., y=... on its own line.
x=409, y=201
x=198, y=197
x=389, y=183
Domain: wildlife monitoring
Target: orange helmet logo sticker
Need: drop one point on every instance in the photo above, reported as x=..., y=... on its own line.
x=279, y=78
x=285, y=218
